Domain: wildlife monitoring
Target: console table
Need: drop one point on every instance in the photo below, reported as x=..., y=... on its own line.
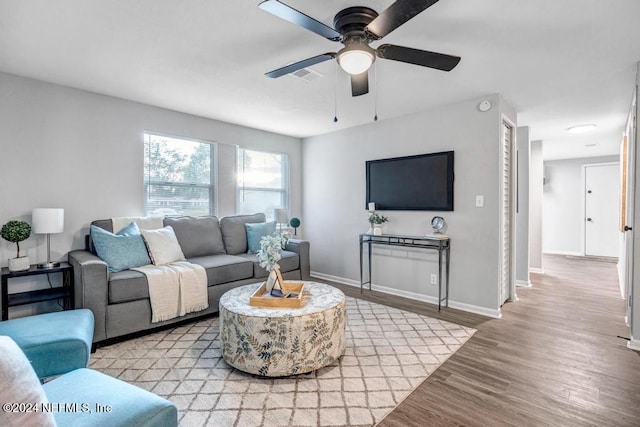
x=29, y=297
x=439, y=243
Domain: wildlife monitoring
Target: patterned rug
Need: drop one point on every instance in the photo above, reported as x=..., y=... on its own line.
x=389, y=352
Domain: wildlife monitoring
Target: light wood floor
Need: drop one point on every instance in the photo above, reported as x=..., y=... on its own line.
x=553, y=359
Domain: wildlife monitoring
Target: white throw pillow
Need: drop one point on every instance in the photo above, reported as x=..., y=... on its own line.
x=163, y=245
x=20, y=385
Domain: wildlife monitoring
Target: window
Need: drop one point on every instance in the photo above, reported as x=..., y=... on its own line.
x=263, y=182
x=178, y=176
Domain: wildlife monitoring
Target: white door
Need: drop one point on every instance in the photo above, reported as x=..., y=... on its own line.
x=602, y=202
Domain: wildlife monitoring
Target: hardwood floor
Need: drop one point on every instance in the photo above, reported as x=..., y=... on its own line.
x=553, y=359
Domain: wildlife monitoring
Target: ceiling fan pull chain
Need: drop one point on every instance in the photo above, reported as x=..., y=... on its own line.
x=375, y=91
x=335, y=97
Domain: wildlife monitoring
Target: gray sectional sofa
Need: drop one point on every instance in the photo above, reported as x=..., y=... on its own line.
x=120, y=301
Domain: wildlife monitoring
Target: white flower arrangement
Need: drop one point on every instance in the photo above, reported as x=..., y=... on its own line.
x=270, y=248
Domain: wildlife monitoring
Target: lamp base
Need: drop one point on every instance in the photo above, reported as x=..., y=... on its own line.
x=48, y=265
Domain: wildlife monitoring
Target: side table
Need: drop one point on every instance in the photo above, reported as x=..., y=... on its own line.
x=29, y=297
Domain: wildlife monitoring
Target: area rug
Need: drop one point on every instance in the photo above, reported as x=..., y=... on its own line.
x=389, y=352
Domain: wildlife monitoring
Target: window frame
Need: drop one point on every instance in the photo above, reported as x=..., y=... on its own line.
x=284, y=191
x=212, y=187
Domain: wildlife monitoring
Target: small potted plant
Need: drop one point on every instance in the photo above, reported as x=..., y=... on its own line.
x=16, y=232
x=295, y=223
x=376, y=220
x=269, y=254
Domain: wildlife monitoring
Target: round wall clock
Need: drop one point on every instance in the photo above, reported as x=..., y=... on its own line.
x=437, y=223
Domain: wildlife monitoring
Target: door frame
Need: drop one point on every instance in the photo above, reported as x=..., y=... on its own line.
x=583, y=230
x=512, y=211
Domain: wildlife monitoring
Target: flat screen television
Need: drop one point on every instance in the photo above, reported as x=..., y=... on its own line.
x=413, y=183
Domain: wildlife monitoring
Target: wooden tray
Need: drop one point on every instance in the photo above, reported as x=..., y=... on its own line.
x=261, y=298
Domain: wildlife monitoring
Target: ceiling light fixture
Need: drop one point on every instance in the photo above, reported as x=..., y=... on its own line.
x=356, y=57
x=581, y=128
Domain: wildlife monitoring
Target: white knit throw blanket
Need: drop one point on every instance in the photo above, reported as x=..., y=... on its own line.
x=175, y=289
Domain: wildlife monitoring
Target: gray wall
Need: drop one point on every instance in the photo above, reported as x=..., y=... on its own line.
x=334, y=180
x=635, y=290
x=522, y=216
x=563, y=212
x=536, y=174
x=81, y=151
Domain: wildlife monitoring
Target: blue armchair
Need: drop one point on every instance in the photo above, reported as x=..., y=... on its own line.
x=59, y=344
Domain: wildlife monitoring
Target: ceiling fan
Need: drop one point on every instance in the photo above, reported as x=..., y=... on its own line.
x=356, y=27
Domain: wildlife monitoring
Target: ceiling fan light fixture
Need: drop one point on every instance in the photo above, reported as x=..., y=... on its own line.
x=356, y=58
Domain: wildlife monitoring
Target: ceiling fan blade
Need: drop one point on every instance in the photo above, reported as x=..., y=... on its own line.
x=291, y=68
x=360, y=84
x=294, y=16
x=439, y=61
x=395, y=15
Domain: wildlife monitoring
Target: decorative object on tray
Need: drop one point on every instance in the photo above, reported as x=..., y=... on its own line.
x=16, y=232
x=275, y=287
x=376, y=220
x=269, y=254
x=295, y=223
x=48, y=221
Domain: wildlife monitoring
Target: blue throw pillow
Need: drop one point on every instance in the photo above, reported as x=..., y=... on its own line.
x=120, y=251
x=255, y=231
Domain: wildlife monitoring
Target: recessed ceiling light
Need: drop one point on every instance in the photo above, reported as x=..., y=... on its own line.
x=582, y=128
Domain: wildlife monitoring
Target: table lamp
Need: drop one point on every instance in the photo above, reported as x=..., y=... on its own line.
x=281, y=217
x=48, y=221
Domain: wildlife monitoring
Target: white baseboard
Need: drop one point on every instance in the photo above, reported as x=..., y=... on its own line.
x=335, y=279
x=570, y=253
x=496, y=314
x=483, y=311
x=523, y=283
x=633, y=344
x=536, y=270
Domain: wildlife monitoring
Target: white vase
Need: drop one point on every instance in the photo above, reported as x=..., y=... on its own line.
x=19, y=264
x=370, y=230
x=377, y=229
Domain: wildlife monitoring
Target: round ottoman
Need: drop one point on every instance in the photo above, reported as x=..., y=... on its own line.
x=276, y=342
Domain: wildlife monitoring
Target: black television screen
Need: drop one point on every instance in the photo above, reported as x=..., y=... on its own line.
x=423, y=182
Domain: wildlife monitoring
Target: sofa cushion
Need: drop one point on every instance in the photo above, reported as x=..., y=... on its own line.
x=128, y=285
x=224, y=268
x=198, y=236
x=290, y=261
x=234, y=234
x=256, y=231
x=105, y=224
x=120, y=251
x=163, y=245
x=20, y=385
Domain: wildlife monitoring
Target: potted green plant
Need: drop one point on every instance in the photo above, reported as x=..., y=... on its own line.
x=376, y=220
x=269, y=254
x=16, y=232
x=295, y=223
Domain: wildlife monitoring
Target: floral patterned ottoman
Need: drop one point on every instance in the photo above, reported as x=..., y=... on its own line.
x=277, y=342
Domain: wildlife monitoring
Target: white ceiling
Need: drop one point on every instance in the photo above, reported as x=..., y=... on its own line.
x=558, y=63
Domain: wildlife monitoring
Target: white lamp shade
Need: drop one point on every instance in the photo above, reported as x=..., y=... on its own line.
x=281, y=216
x=48, y=220
x=355, y=61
